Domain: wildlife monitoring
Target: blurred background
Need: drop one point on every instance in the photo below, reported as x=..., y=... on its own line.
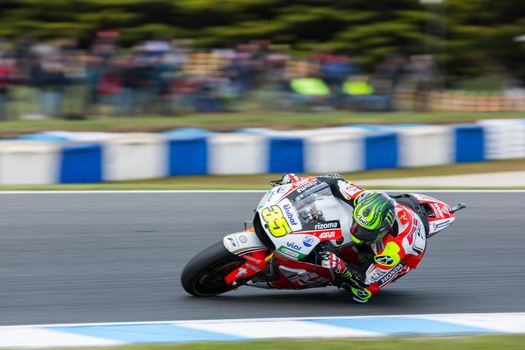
x=80, y=58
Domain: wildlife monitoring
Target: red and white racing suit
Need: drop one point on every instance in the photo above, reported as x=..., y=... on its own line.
x=397, y=253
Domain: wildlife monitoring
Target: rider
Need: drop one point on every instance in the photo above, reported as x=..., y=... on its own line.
x=393, y=234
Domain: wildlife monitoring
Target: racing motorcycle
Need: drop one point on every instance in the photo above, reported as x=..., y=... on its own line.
x=293, y=223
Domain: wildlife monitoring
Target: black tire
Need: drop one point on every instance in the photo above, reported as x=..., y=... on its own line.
x=204, y=274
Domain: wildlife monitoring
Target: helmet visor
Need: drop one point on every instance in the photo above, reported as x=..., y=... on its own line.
x=364, y=235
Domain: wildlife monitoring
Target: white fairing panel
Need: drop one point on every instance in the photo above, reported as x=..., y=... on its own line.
x=299, y=245
x=242, y=242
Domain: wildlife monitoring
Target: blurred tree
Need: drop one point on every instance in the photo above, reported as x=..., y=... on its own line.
x=479, y=32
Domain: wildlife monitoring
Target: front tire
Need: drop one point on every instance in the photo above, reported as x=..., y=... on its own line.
x=204, y=274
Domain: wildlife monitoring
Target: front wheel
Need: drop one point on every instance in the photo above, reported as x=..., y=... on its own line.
x=204, y=275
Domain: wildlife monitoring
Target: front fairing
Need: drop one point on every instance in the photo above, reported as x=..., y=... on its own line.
x=297, y=217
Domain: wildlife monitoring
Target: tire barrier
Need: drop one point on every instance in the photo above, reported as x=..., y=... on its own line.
x=76, y=157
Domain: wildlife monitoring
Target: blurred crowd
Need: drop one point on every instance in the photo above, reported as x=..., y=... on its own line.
x=158, y=77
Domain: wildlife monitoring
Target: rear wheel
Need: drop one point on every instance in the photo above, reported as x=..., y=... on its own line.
x=204, y=274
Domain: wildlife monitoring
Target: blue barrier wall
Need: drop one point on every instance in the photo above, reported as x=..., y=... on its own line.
x=188, y=156
x=381, y=151
x=189, y=151
x=81, y=164
x=286, y=155
x=469, y=143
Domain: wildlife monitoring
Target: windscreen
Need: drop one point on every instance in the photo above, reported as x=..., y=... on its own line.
x=307, y=203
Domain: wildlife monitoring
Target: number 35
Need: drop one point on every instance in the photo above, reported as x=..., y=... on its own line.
x=277, y=224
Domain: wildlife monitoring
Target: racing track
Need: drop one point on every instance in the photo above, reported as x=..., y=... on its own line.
x=118, y=256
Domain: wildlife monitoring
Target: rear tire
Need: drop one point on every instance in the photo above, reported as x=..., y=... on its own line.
x=204, y=274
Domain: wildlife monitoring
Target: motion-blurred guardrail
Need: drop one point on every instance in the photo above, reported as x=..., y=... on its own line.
x=89, y=157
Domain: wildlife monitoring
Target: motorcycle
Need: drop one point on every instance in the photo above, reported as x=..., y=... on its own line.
x=293, y=223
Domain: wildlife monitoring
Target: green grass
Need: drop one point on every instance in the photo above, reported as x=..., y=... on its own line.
x=486, y=342
x=260, y=182
x=232, y=121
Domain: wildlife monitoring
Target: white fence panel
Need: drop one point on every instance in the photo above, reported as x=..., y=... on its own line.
x=135, y=156
x=504, y=138
x=425, y=146
x=237, y=154
x=28, y=163
x=338, y=152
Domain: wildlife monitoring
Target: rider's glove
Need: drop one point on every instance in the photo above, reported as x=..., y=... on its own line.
x=346, y=276
x=332, y=262
x=353, y=277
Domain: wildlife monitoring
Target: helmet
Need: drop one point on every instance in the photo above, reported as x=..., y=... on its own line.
x=374, y=216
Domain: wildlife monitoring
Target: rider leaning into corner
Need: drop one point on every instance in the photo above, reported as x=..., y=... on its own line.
x=389, y=238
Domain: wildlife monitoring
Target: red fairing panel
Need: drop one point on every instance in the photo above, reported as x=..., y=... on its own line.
x=254, y=263
x=299, y=275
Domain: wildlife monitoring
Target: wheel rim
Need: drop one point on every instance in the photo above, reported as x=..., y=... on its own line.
x=212, y=282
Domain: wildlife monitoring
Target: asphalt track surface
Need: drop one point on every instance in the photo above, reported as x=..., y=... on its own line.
x=117, y=257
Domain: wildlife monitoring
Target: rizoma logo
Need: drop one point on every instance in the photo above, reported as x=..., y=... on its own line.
x=289, y=214
x=327, y=225
x=293, y=246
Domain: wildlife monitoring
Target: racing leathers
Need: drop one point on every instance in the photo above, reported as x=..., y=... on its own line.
x=384, y=261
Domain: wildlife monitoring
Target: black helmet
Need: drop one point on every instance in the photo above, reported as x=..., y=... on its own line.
x=374, y=216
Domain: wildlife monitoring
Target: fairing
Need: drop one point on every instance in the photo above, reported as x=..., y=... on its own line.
x=298, y=217
x=439, y=213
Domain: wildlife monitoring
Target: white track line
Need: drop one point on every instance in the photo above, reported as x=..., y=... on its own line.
x=270, y=319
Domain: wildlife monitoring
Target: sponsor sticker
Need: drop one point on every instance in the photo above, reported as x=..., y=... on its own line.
x=391, y=274
x=442, y=224
x=350, y=191
x=327, y=225
x=293, y=246
x=384, y=260
x=403, y=217
x=362, y=220
x=308, y=241
x=328, y=235
x=242, y=271
x=243, y=239
x=306, y=186
x=290, y=215
x=232, y=241
x=288, y=252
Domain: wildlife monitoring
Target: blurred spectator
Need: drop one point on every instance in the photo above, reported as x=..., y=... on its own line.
x=421, y=76
x=163, y=77
x=49, y=77
x=6, y=79
x=334, y=69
